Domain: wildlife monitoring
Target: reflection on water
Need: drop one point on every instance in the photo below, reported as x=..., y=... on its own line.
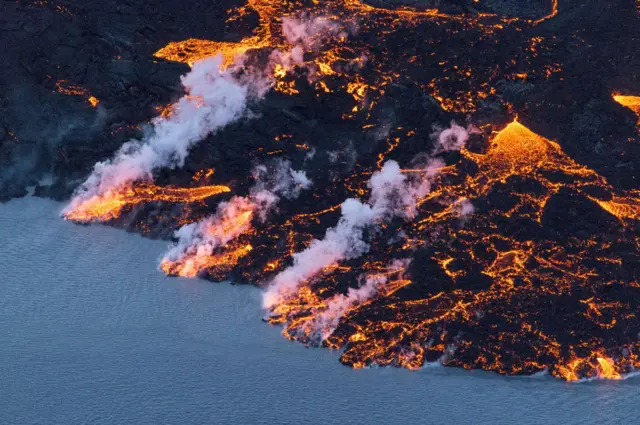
x=92, y=332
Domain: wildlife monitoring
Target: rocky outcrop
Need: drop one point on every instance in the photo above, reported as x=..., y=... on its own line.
x=59, y=54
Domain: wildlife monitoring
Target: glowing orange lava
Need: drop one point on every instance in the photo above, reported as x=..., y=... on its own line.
x=93, y=101
x=224, y=230
x=353, y=14
x=192, y=50
x=519, y=272
x=631, y=102
x=607, y=369
x=191, y=265
x=64, y=87
x=109, y=206
x=515, y=289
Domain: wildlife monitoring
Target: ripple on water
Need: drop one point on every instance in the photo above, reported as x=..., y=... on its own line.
x=92, y=332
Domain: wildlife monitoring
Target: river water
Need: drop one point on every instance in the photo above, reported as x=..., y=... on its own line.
x=92, y=333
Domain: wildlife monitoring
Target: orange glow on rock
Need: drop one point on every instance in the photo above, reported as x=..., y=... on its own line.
x=192, y=50
x=109, y=206
x=607, y=369
x=631, y=102
x=192, y=265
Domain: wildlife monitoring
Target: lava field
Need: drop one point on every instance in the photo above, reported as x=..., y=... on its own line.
x=452, y=181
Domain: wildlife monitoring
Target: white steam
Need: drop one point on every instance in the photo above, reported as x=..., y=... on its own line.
x=453, y=138
x=342, y=242
x=214, y=99
x=465, y=208
x=234, y=217
x=310, y=32
x=393, y=194
x=198, y=240
x=324, y=322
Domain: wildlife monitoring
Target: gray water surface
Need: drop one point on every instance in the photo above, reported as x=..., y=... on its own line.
x=92, y=333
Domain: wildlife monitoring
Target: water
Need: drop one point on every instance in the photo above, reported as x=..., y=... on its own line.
x=92, y=333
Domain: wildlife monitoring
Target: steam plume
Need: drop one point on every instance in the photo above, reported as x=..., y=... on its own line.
x=214, y=99
x=309, y=32
x=393, y=194
x=452, y=138
x=198, y=241
x=324, y=323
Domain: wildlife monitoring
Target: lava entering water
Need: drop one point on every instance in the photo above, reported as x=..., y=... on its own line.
x=479, y=249
x=489, y=275
x=109, y=205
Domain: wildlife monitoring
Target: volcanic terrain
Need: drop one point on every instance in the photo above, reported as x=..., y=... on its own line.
x=453, y=181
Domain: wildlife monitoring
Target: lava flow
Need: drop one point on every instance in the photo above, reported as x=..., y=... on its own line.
x=64, y=87
x=404, y=238
x=480, y=275
x=631, y=102
x=233, y=222
x=473, y=83
x=109, y=205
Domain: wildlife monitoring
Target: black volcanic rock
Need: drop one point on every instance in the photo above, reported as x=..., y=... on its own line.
x=541, y=272
x=105, y=48
x=568, y=214
x=9, y=191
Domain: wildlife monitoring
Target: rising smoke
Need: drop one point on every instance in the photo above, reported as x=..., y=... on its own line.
x=198, y=241
x=452, y=138
x=215, y=97
x=310, y=32
x=393, y=194
x=324, y=322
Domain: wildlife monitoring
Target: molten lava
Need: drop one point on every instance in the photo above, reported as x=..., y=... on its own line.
x=518, y=274
x=192, y=265
x=193, y=50
x=109, y=206
x=518, y=259
x=606, y=369
x=64, y=87
x=217, y=250
x=93, y=101
x=333, y=60
x=631, y=102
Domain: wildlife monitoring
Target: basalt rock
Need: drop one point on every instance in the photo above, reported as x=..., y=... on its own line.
x=541, y=272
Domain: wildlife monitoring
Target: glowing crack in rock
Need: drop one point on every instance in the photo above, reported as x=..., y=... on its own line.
x=109, y=205
x=477, y=262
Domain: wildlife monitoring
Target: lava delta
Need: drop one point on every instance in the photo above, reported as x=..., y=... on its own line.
x=451, y=181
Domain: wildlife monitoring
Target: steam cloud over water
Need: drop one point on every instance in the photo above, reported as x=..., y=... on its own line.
x=384, y=257
x=325, y=321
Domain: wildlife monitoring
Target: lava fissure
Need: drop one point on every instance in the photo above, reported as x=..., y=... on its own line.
x=376, y=225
